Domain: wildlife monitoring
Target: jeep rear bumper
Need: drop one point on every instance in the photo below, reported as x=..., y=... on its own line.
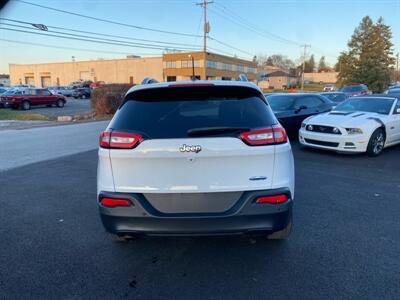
x=244, y=217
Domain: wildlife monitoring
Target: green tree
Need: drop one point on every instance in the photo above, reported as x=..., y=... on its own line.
x=369, y=57
x=309, y=65
x=322, y=64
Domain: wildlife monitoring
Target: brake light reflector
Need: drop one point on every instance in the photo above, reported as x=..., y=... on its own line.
x=112, y=202
x=266, y=136
x=119, y=140
x=274, y=199
x=280, y=135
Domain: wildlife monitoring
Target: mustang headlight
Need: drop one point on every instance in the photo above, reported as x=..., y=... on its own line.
x=303, y=125
x=310, y=127
x=354, y=131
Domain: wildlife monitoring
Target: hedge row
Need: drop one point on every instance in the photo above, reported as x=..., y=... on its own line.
x=105, y=100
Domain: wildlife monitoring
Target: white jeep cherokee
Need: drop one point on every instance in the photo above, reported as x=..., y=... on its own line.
x=195, y=158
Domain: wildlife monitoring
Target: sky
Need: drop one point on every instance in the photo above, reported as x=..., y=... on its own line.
x=251, y=27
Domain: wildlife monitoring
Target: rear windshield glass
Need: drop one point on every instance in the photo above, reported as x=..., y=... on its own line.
x=172, y=112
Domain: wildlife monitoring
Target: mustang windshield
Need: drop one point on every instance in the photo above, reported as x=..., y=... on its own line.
x=375, y=105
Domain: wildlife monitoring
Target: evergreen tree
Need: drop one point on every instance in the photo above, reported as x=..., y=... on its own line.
x=322, y=64
x=369, y=56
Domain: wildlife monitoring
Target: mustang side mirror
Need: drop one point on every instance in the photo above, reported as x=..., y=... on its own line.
x=397, y=110
x=298, y=109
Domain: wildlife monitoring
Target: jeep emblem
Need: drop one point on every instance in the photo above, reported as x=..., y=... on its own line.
x=187, y=148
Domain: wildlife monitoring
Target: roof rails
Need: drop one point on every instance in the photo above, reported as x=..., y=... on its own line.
x=148, y=80
x=242, y=77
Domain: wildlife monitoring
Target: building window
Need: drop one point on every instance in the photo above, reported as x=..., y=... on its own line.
x=171, y=78
x=211, y=64
x=188, y=63
x=170, y=64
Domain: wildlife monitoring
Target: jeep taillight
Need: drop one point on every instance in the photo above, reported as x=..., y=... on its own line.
x=265, y=136
x=119, y=140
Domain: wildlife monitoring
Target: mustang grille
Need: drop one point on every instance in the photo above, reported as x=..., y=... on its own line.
x=322, y=129
x=322, y=143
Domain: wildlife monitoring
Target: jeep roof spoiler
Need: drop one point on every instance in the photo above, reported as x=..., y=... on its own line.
x=242, y=77
x=149, y=80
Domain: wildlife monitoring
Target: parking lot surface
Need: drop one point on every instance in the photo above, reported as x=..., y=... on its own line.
x=18, y=148
x=71, y=108
x=345, y=242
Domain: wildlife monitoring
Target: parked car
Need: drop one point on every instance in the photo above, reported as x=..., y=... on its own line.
x=82, y=93
x=355, y=90
x=335, y=97
x=97, y=84
x=31, y=97
x=195, y=158
x=292, y=109
x=6, y=96
x=3, y=90
x=61, y=90
x=329, y=88
x=359, y=124
x=26, y=86
x=393, y=92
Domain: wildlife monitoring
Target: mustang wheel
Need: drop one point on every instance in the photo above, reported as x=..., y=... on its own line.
x=376, y=142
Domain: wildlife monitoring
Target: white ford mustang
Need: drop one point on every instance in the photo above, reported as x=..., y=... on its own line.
x=359, y=124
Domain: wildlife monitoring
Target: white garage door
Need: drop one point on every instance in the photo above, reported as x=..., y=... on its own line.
x=84, y=75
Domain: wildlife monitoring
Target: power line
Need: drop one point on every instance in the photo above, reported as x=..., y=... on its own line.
x=245, y=24
x=105, y=42
x=229, y=46
x=87, y=40
x=108, y=21
x=276, y=36
x=101, y=34
x=98, y=39
x=71, y=48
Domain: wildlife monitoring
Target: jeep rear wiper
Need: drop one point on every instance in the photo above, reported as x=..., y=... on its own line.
x=205, y=131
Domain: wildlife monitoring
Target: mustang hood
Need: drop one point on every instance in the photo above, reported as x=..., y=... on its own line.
x=345, y=119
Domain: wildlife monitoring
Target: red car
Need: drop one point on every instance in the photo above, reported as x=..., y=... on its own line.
x=97, y=84
x=24, y=99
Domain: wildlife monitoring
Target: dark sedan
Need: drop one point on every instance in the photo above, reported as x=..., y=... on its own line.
x=355, y=90
x=393, y=92
x=335, y=97
x=82, y=93
x=292, y=109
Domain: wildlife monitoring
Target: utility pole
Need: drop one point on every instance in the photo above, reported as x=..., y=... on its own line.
x=397, y=67
x=206, y=25
x=304, y=65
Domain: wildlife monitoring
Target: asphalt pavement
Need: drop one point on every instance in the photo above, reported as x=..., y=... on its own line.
x=72, y=107
x=21, y=147
x=345, y=243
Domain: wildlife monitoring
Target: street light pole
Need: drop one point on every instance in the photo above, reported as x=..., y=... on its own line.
x=304, y=66
x=193, y=73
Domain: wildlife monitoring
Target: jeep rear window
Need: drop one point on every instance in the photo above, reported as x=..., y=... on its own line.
x=170, y=112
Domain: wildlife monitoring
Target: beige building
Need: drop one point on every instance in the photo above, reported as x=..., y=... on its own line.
x=323, y=77
x=169, y=67
x=207, y=66
x=277, y=80
x=128, y=70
